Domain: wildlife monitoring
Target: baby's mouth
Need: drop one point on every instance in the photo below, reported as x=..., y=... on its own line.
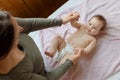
x=88, y=30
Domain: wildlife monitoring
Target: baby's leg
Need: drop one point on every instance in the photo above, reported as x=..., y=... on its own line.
x=57, y=43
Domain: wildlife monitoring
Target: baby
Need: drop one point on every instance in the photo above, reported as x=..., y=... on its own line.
x=84, y=37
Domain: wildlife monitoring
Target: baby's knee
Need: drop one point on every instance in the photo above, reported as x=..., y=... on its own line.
x=58, y=38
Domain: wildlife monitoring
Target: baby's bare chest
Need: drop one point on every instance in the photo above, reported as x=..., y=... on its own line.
x=80, y=39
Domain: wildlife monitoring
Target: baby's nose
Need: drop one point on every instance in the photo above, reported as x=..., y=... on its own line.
x=90, y=27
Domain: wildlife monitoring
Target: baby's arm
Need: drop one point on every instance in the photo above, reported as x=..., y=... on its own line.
x=90, y=46
x=76, y=24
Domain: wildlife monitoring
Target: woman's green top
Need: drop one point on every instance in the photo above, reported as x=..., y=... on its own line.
x=32, y=65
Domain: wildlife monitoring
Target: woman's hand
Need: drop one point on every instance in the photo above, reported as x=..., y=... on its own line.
x=70, y=17
x=75, y=57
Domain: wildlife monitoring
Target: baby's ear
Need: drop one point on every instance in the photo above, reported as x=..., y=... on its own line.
x=102, y=31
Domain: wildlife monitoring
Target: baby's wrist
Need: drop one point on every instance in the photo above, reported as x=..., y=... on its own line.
x=84, y=51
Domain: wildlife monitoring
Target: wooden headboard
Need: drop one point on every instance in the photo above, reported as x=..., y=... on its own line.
x=31, y=8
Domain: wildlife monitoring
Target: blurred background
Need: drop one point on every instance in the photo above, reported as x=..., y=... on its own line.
x=31, y=8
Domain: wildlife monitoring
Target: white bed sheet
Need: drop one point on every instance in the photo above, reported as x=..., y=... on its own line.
x=67, y=5
x=104, y=60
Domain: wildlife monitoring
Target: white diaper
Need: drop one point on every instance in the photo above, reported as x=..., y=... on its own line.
x=61, y=54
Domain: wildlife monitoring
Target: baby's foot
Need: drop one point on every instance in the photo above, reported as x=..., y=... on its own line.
x=48, y=54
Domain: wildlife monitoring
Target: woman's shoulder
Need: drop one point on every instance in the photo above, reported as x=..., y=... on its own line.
x=11, y=61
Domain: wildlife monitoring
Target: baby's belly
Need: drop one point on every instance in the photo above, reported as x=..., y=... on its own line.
x=79, y=42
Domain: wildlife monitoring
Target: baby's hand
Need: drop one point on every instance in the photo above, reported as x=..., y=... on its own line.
x=76, y=56
x=74, y=23
x=83, y=52
x=76, y=16
x=70, y=17
x=48, y=54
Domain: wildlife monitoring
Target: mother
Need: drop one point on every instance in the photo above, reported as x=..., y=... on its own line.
x=20, y=58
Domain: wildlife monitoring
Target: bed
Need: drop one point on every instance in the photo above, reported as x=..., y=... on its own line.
x=104, y=60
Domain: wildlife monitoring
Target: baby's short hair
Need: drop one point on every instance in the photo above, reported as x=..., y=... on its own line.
x=101, y=18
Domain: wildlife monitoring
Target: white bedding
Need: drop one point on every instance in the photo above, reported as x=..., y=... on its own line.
x=104, y=60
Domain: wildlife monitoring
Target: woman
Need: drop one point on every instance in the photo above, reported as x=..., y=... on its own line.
x=20, y=58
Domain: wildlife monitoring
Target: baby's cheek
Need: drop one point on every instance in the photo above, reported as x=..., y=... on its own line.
x=93, y=32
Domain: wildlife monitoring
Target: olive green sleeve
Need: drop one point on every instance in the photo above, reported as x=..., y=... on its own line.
x=54, y=75
x=33, y=24
x=60, y=71
x=5, y=78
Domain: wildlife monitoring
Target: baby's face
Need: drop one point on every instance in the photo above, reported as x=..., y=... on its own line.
x=94, y=26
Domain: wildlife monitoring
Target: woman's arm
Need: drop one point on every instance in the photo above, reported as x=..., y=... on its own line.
x=54, y=75
x=60, y=71
x=33, y=24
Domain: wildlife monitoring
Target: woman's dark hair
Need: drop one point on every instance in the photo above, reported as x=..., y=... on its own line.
x=6, y=34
